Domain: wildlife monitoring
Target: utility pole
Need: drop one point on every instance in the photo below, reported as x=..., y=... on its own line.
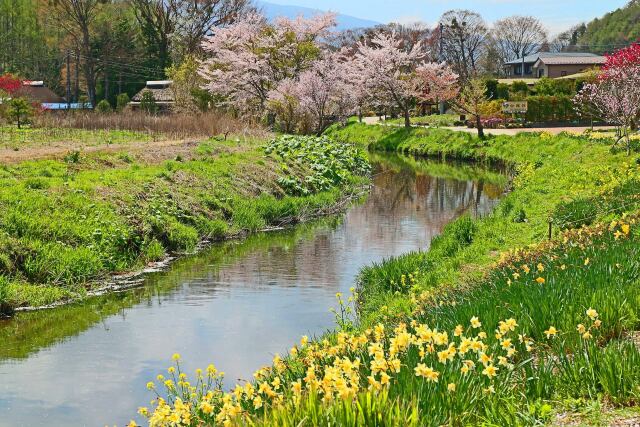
x=68, y=80
x=77, y=83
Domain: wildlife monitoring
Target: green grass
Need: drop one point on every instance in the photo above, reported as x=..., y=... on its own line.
x=434, y=120
x=471, y=282
x=549, y=172
x=64, y=223
x=13, y=138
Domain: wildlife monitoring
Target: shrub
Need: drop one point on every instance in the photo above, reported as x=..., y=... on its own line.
x=181, y=237
x=332, y=163
x=103, y=107
x=122, y=101
x=152, y=251
x=148, y=103
x=550, y=108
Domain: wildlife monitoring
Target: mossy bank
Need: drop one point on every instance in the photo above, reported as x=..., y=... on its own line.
x=67, y=223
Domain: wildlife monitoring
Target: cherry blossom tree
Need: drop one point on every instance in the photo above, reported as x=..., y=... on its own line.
x=436, y=83
x=285, y=103
x=387, y=70
x=248, y=59
x=615, y=96
x=318, y=93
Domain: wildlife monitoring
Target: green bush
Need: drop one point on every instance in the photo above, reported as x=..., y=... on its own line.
x=551, y=108
x=122, y=101
x=104, y=107
x=332, y=163
x=181, y=237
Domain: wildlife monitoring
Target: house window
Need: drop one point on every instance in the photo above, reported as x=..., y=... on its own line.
x=518, y=70
x=527, y=69
x=563, y=73
x=541, y=72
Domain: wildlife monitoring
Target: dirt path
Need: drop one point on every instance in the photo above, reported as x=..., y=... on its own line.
x=60, y=149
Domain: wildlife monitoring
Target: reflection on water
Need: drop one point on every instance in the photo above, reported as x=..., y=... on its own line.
x=236, y=304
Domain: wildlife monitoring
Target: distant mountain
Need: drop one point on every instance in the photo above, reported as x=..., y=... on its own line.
x=345, y=22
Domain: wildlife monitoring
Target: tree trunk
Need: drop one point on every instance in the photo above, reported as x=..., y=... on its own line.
x=407, y=119
x=480, y=128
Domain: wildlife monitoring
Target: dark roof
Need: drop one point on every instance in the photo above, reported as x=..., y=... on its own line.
x=161, y=91
x=37, y=92
x=530, y=59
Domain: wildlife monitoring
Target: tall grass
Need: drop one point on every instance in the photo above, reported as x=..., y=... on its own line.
x=172, y=125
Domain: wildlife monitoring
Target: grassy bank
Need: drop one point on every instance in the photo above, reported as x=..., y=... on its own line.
x=475, y=331
x=67, y=223
x=561, y=179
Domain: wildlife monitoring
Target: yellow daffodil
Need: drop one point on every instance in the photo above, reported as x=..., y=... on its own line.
x=490, y=371
x=475, y=322
x=592, y=314
x=552, y=331
x=451, y=387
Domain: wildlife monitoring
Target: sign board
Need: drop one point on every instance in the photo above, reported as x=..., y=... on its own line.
x=515, y=107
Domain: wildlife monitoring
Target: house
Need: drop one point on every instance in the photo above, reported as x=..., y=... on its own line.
x=552, y=64
x=162, y=94
x=36, y=91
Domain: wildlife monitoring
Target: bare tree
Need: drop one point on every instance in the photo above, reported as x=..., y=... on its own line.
x=568, y=40
x=463, y=38
x=77, y=16
x=179, y=26
x=519, y=36
x=195, y=19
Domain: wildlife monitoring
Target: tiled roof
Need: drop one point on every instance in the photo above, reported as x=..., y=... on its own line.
x=577, y=60
x=533, y=58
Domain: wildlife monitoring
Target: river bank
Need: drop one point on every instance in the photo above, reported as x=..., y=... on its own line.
x=477, y=329
x=236, y=303
x=560, y=180
x=67, y=224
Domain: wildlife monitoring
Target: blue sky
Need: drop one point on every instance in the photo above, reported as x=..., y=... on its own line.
x=556, y=14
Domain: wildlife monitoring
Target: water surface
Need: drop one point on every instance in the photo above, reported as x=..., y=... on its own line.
x=235, y=304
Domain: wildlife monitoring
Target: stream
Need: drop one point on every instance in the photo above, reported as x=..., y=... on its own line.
x=234, y=304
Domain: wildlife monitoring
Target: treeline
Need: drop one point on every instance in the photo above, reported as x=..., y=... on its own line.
x=616, y=29
x=104, y=47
